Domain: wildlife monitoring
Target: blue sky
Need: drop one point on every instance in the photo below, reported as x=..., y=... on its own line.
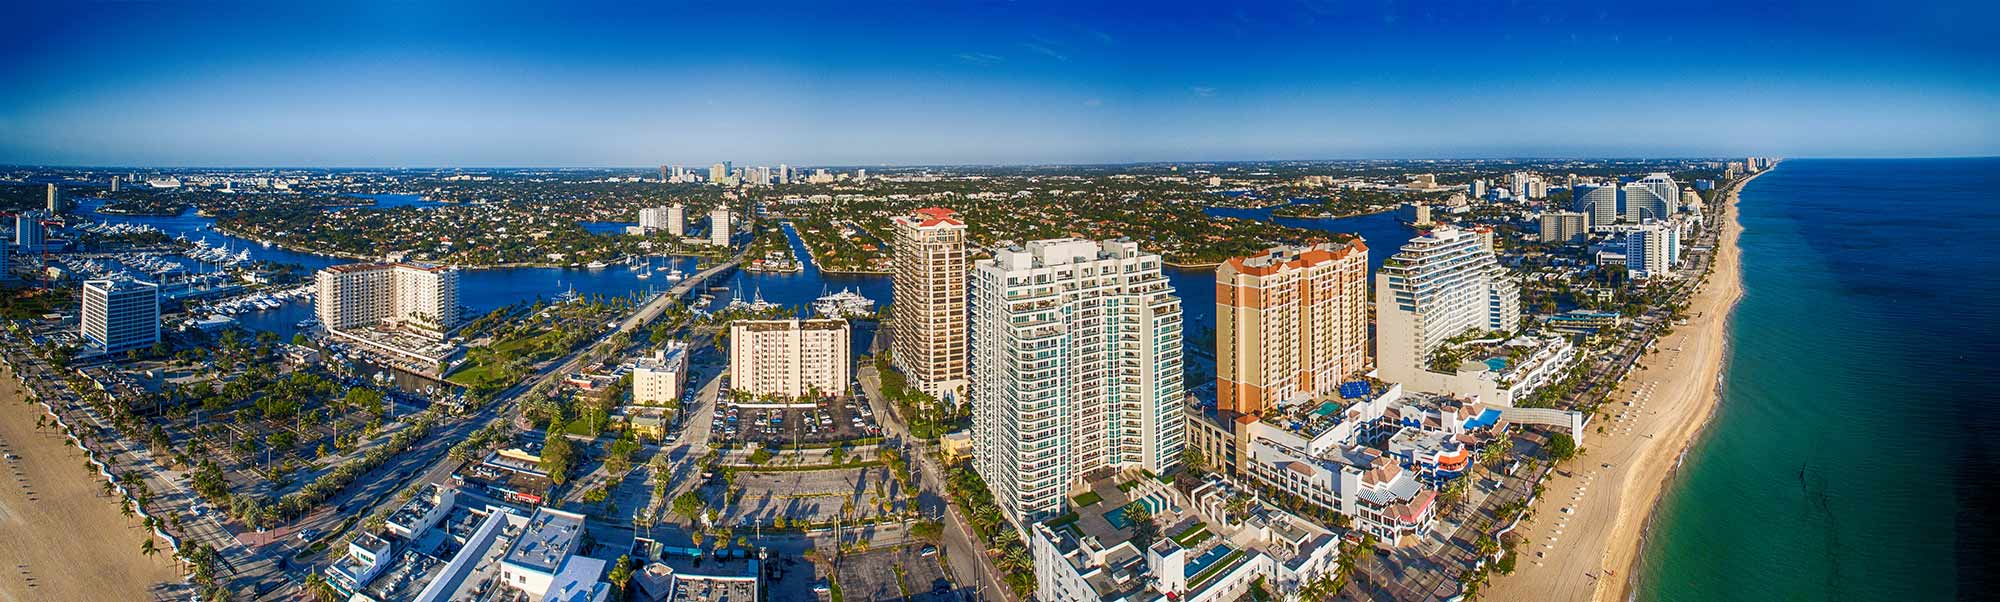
x=587, y=84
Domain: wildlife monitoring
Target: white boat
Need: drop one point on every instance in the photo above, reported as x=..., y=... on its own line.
x=675, y=276
x=844, y=304
x=595, y=265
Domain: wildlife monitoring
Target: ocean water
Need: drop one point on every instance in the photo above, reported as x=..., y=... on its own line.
x=1852, y=457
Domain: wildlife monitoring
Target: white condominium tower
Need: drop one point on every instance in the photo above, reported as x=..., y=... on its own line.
x=928, y=312
x=654, y=219
x=1076, y=369
x=789, y=358
x=1650, y=249
x=1291, y=322
x=1598, y=203
x=1439, y=286
x=422, y=299
x=718, y=226
x=676, y=220
x=120, y=314
x=1655, y=196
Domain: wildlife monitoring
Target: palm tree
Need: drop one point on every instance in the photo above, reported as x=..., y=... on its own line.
x=146, y=548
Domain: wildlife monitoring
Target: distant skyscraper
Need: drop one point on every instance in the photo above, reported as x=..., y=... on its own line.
x=861, y=175
x=929, y=321
x=1477, y=189
x=676, y=220
x=1290, y=324
x=1441, y=285
x=652, y=219
x=119, y=315
x=28, y=234
x=1076, y=353
x=55, y=200
x=663, y=174
x=1600, y=203
x=114, y=183
x=718, y=172
x=718, y=226
x=784, y=174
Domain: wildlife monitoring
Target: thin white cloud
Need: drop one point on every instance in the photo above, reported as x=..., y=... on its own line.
x=980, y=58
x=1046, y=49
x=1202, y=91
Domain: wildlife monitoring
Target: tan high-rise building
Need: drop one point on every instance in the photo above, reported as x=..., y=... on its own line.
x=789, y=358
x=928, y=310
x=418, y=298
x=1290, y=323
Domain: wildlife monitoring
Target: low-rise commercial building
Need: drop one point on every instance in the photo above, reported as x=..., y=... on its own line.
x=657, y=380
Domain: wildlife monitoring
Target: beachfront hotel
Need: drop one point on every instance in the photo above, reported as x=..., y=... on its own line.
x=120, y=315
x=415, y=298
x=1651, y=249
x=928, y=318
x=1076, y=364
x=1291, y=322
x=1441, y=285
x=1599, y=203
x=1655, y=196
x=789, y=358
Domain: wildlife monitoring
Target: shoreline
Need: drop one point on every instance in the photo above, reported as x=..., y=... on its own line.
x=1612, y=491
x=83, y=548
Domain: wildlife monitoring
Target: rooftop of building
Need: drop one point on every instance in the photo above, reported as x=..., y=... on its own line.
x=547, y=540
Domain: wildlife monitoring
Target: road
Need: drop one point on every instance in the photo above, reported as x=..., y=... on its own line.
x=969, y=563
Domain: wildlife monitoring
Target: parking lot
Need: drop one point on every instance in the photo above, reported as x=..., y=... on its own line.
x=812, y=495
x=828, y=420
x=875, y=575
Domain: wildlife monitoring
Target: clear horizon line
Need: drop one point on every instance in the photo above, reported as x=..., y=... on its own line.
x=1003, y=164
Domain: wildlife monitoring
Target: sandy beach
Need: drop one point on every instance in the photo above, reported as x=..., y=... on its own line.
x=60, y=537
x=1584, y=536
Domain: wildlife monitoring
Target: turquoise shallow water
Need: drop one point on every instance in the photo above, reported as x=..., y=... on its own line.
x=1853, y=455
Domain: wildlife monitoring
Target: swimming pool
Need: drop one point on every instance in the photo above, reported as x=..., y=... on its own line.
x=1496, y=363
x=1117, y=515
x=1202, y=562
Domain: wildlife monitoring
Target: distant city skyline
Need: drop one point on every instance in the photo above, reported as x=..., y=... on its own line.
x=449, y=85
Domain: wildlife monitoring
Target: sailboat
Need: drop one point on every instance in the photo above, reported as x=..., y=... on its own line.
x=643, y=272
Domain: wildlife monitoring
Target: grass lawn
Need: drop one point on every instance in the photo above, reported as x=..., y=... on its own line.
x=1193, y=535
x=1087, y=499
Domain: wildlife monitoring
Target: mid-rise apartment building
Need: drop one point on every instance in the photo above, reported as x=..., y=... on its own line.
x=1076, y=356
x=657, y=380
x=929, y=315
x=1564, y=226
x=1441, y=285
x=789, y=358
x=1291, y=322
x=420, y=299
x=120, y=315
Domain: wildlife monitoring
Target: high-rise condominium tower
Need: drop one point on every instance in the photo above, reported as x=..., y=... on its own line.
x=718, y=226
x=1290, y=323
x=1076, y=369
x=1655, y=196
x=676, y=220
x=1598, y=203
x=1439, y=286
x=419, y=298
x=1651, y=249
x=929, y=300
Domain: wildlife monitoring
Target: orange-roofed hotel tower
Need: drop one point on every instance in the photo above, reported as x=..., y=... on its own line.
x=1290, y=324
x=928, y=312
